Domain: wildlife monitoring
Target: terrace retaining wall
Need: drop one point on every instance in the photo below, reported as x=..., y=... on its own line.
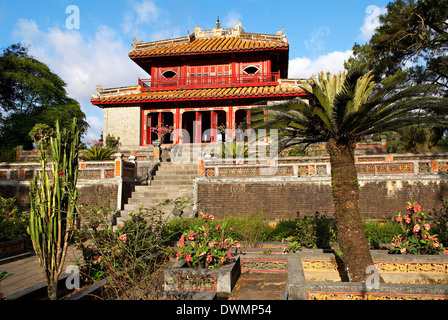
x=303, y=185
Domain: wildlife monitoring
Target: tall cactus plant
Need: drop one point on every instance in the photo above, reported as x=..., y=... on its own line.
x=53, y=200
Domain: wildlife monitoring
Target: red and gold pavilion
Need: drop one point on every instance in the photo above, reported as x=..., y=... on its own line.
x=207, y=80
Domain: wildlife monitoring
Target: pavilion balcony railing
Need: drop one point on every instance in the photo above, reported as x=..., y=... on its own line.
x=191, y=82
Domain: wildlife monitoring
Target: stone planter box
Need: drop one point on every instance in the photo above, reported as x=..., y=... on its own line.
x=318, y=275
x=179, y=277
x=14, y=247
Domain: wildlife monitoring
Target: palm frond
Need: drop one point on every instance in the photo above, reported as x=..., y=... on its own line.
x=349, y=107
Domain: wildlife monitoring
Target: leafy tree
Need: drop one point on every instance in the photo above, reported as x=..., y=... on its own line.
x=31, y=93
x=411, y=42
x=412, y=33
x=40, y=132
x=340, y=110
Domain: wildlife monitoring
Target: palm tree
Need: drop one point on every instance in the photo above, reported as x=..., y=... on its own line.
x=340, y=110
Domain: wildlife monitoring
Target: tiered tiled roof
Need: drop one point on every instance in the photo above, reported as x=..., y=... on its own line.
x=217, y=40
x=136, y=96
x=210, y=45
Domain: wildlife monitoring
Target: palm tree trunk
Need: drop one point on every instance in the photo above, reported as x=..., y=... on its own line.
x=345, y=188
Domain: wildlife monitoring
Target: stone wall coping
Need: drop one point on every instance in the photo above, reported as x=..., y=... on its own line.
x=316, y=178
x=377, y=256
x=297, y=287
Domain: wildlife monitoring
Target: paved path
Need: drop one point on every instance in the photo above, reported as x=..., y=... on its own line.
x=251, y=285
x=28, y=272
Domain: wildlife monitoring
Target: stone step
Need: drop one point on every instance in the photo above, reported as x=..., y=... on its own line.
x=164, y=187
x=177, y=173
x=160, y=195
x=179, y=166
x=164, y=190
x=172, y=182
x=150, y=192
x=136, y=206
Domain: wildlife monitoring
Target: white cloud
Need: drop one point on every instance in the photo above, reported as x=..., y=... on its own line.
x=82, y=62
x=138, y=17
x=95, y=129
x=231, y=19
x=304, y=67
x=146, y=11
x=316, y=42
x=371, y=22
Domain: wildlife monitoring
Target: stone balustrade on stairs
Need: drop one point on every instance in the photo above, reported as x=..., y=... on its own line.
x=171, y=181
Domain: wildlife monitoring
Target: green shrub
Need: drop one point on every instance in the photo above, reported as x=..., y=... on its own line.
x=378, y=232
x=284, y=229
x=440, y=222
x=249, y=230
x=316, y=231
x=174, y=228
x=13, y=223
x=416, y=236
x=206, y=246
x=112, y=142
x=131, y=257
x=97, y=153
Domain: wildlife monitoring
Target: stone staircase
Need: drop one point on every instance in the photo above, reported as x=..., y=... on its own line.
x=171, y=181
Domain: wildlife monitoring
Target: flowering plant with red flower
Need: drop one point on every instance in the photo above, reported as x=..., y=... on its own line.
x=416, y=237
x=206, y=246
x=161, y=131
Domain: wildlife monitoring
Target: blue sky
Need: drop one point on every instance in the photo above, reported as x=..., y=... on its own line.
x=321, y=34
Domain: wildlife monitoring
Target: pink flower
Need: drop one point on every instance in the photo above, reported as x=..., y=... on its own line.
x=60, y=173
x=191, y=236
x=202, y=254
x=211, y=217
x=211, y=244
x=123, y=237
x=209, y=258
x=229, y=256
x=403, y=250
x=188, y=257
x=416, y=228
x=399, y=219
x=417, y=208
x=217, y=227
x=182, y=240
x=179, y=254
x=408, y=206
x=427, y=226
x=9, y=213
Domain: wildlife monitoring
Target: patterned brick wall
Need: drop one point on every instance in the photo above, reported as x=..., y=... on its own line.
x=92, y=195
x=379, y=198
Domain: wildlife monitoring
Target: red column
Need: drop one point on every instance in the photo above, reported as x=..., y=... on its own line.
x=198, y=128
x=143, y=128
x=177, y=126
x=214, y=125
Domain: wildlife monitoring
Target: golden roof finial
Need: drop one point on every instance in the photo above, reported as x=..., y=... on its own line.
x=218, y=24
